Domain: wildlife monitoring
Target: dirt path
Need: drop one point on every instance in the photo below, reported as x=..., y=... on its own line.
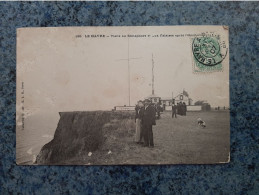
x=177, y=141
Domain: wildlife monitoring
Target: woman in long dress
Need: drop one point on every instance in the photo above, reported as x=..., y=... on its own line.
x=138, y=118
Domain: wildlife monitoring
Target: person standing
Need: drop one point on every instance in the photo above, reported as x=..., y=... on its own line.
x=181, y=108
x=138, y=120
x=184, y=109
x=149, y=119
x=178, y=108
x=158, y=110
x=174, y=110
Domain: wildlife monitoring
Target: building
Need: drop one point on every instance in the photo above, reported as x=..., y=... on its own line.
x=184, y=98
x=154, y=98
x=167, y=102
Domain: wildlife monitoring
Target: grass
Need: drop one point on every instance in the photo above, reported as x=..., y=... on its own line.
x=109, y=136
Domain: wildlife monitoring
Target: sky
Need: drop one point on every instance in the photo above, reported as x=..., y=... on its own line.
x=64, y=73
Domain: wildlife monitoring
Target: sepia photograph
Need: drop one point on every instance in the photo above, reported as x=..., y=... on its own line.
x=125, y=95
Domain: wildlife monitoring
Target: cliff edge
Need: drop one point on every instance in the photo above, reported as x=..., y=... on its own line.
x=77, y=133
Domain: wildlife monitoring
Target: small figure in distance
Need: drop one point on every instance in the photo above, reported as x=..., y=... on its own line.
x=158, y=109
x=174, y=110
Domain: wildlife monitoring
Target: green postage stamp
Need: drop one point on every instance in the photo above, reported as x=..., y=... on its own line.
x=208, y=52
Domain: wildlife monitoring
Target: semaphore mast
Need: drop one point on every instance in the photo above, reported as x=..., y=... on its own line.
x=128, y=59
x=153, y=77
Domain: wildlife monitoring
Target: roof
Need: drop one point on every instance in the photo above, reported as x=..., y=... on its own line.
x=153, y=96
x=166, y=98
x=182, y=95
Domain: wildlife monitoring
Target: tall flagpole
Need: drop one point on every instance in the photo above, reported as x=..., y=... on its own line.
x=153, y=77
x=128, y=59
x=128, y=72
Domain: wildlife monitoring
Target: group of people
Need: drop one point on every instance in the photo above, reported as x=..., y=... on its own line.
x=145, y=118
x=180, y=109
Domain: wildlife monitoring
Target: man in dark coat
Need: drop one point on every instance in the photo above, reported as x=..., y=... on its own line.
x=178, y=108
x=138, y=120
x=157, y=107
x=149, y=119
x=174, y=110
x=184, y=109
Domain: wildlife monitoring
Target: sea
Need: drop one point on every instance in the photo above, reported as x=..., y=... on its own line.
x=39, y=130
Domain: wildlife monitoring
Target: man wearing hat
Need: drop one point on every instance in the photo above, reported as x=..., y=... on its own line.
x=149, y=119
x=138, y=120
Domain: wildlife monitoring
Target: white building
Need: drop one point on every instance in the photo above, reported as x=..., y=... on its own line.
x=154, y=98
x=184, y=98
x=167, y=102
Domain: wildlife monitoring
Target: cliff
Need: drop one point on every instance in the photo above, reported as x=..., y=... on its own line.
x=78, y=133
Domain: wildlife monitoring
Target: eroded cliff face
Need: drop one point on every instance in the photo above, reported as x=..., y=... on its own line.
x=77, y=133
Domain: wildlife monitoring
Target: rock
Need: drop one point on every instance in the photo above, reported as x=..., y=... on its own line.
x=76, y=133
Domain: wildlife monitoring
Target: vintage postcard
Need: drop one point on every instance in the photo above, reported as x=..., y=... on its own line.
x=122, y=95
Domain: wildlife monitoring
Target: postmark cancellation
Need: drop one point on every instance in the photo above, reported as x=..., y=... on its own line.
x=208, y=53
